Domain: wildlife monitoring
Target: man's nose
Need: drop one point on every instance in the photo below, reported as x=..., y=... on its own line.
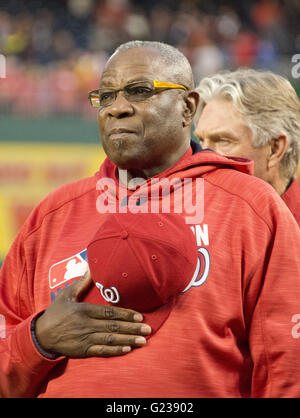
x=121, y=107
x=205, y=143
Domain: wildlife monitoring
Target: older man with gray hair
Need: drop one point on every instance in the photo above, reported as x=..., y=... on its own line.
x=255, y=115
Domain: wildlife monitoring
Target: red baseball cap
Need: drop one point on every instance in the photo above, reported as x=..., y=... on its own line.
x=142, y=261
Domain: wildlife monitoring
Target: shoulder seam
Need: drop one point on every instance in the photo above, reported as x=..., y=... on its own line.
x=53, y=210
x=242, y=198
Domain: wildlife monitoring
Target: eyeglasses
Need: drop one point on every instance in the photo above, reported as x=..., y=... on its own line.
x=134, y=92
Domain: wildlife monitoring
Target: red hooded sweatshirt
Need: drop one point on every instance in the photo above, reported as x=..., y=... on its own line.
x=234, y=333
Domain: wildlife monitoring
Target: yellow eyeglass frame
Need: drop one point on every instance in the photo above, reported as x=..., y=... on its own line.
x=94, y=94
x=165, y=84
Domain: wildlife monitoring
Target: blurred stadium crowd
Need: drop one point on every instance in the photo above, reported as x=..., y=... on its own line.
x=55, y=50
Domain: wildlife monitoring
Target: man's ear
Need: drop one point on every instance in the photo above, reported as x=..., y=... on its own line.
x=191, y=102
x=278, y=148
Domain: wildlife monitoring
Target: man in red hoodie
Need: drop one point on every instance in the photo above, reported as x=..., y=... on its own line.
x=234, y=330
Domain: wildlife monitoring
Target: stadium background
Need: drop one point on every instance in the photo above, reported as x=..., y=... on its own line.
x=54, y=52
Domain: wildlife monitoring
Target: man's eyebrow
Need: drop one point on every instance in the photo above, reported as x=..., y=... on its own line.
x=106, y=83
x=220, y=132
x=111, y=83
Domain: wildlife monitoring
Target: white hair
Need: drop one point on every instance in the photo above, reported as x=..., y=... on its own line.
x=175, y=60
x=269, y=104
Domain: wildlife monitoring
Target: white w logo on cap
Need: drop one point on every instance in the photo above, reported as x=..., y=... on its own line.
x=110, y=294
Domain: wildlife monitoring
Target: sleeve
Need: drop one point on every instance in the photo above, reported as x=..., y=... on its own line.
x=22, y=368
x=272, y=306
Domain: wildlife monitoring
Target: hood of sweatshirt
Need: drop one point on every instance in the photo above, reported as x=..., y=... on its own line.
x=196, y=161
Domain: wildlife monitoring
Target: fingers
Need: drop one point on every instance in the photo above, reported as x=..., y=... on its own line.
x=106, y=345
x=111, y=312
x=120, y=327
x=100, y=338
x=76, y=329
x=73, y=293
x=107, y=351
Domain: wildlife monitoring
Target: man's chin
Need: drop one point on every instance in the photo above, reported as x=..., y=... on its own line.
x=124, y=162
x=121, y=152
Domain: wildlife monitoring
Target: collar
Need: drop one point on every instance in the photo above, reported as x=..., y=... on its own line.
x=291, y=198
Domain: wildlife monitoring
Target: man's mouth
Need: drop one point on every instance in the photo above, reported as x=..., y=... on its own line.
x=120, y=133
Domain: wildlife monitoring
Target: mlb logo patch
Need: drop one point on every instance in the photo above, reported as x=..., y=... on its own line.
x=68, y=269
